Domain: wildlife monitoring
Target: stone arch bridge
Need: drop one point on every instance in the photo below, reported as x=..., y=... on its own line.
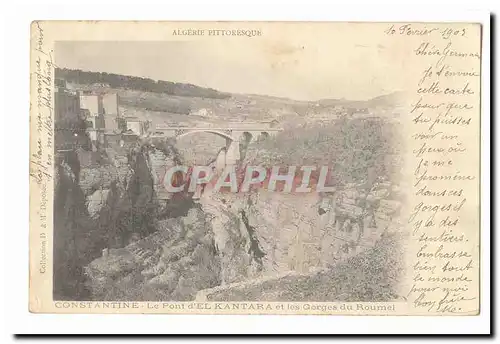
x=234, y=136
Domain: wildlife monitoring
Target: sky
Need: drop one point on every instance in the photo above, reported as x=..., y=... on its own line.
x=346, y=67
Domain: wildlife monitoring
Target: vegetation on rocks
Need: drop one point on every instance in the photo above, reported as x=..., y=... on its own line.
x=371, y=276
x=137, y=83
x=352, y=148
x=171, y=264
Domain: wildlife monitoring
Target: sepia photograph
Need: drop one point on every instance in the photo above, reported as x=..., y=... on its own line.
x=177, y=110
x=255, y=167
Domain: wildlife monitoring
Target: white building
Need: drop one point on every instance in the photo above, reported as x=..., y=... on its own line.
x=92, y=103
x=135, y=125
x=92, y=109
x=110, y=103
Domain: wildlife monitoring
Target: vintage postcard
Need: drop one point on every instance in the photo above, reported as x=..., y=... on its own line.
x=255, y=167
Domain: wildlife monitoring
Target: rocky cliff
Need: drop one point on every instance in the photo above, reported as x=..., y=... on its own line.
x=370, y=276
x=103, y=200
x=121, y=238
x=261, y=246
x=171, y=264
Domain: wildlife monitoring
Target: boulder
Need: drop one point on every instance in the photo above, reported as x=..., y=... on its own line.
x=349, y=210
x=389, y=207
x=116, y=263
x=96, y=201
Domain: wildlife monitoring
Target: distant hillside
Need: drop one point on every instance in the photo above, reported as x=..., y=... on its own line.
x=137, y=83
x=391, y=99
x=386, y=100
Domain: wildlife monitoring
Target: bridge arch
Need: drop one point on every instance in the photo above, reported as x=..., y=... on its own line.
x=216, y=132
x=229, y=155
x=247, y=137
x=264, y=135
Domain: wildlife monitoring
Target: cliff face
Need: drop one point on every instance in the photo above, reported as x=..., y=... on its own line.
x=117, y=238
x=72, y=248
x=370, y=276
x=171, y=264
x=262, y=234
x=268, y=233
x=101, y=200
x=221, y=240
x=256, y=246
x=134, y=242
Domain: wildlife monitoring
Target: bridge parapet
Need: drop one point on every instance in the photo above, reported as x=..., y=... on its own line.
x=233, y=136
x=234, y=133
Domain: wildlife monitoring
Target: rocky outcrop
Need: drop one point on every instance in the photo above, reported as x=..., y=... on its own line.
x=72, y=226
x=100, y=202
x=372, y=276
x=171, y=264
x=96, y=201
x=267, y=233
x=240, y=244
x=151, y=248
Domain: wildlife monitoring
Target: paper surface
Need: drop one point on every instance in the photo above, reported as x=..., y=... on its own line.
x=255, y=168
